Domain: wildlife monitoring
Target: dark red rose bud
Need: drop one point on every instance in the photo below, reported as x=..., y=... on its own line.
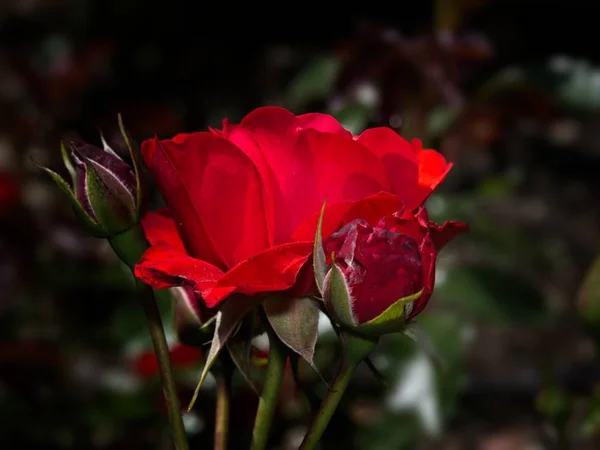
x=383, y=276
x=106, y=192
x=379, y=266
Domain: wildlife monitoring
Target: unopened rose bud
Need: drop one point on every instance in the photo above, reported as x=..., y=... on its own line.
x=106, y=192
x=382, y=276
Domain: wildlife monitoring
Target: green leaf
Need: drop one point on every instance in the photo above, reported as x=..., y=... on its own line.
x=392, y=320
x=555, y=404
x=315, y=82
x=295, y=320
x=93, y=227
x=440, y=120
x=397, y=431
x=227, y=321
x=337, y=297
x=355, y=116
x=491, y=294
x=449, y=335
x=416, y=390
x=319, y=260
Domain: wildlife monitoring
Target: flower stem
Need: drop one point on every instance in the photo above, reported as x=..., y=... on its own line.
x=356, y=349
x=223, y=379
x=328, y=407
x=269, y=397
x=161, y=348
x=129, y=246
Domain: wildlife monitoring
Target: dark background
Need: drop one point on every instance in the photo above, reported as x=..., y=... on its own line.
x=507, y=90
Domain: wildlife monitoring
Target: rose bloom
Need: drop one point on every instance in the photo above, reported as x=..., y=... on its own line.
x=243, y=202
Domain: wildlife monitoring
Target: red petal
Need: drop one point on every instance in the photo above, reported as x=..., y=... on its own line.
x=414, y=172
x=332, y=218
x=246, y=142
x=275, y=269
x=339, y=170
x=428, y=258
x=321, y=122
x=162, y=267
x=444, y=233
x=371, y=209
x=308, y=165
x=181, y=204
x=433, y=169
x=432, y=238
x=215, y=193
x=374, y=207
x=158, y=226
x=400, y=159
x=269, y=120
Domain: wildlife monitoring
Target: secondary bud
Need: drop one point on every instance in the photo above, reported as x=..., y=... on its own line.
x=106, y=192
x=383, y=276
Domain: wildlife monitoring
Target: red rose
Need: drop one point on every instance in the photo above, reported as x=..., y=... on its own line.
x=386, y=263
x=243, y=202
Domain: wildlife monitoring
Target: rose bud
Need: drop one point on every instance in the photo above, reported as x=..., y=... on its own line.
x=381, y=277
x=106, y=192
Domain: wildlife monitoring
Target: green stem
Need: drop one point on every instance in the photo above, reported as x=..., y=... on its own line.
x=356, y=349
x=269, y=397
x=129, y=246
x=161, y=348
x=329, y=405
x=222, y=409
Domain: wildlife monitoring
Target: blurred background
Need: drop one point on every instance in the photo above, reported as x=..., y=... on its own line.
x=508, y=90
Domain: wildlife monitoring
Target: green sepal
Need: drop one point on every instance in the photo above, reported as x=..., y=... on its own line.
x=227, y=321
x=103, y=202
x=337, y=297
x=240, y=351
x=185, y=321
x=376, y=372
x=319, y=260
x=240, y=347
x=137, y=169
x=421, y=339
x=66, y=157
x=93, y=227
x=295, y=320
x=392, y=320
